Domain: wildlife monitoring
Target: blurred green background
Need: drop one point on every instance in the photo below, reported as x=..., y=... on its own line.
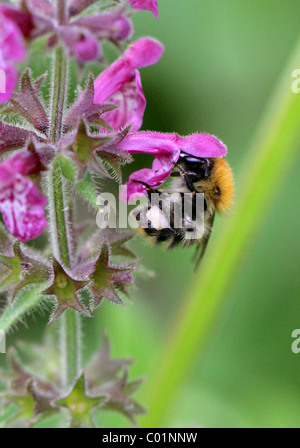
x=222, y=60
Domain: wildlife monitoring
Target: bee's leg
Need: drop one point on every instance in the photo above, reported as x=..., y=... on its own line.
x=150, y=191
x=186, y=177
x=171, y=236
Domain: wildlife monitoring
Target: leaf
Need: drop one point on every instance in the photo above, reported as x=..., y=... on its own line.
x=85, y=109
x=57, y=420
x=26, y=302
x=12, y=138
x=28, y=105
x=87, y=189
x=112, y=161
x=7, y=413
x=68, y=168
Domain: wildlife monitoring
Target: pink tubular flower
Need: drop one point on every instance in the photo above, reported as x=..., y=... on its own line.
x=121, y=84
x=87, y=49
x=21, y=204
x=83, y=46
x=148, y=5
x=12, y=49
x=166, y=148
x=115, y=26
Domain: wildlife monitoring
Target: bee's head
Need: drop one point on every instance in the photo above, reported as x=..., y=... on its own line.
x=196, y=167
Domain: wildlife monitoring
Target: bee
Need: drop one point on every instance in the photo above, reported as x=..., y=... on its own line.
x=213, y=178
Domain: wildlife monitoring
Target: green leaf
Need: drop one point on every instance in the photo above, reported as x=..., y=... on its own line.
x=26, y=302
x=7, y=413
x=68, y=168
x=87, y=190
x=57, y=420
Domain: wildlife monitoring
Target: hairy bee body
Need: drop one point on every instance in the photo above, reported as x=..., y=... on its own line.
x=211, y=177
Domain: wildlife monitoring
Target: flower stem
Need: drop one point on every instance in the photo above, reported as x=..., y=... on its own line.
x=274, y=148
x=61, y=12
x=70, y=346
x=59, y=94
x=58, y=208
x=70, y=323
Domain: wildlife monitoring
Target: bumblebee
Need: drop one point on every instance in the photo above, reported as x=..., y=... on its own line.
x=213, y=178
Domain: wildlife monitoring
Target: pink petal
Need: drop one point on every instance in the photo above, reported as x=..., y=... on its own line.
x=12, y=49
x=8, y=82
x=22, y=19
x=111, y=80
x=12, y=46
x=87, y=49
x=136, y=185
x=23, y=209
x=24, y=163
x=144, y=52
x=21, y=204
x=121, y=84
x=122, y=29
x=84, y=47
x=202, y=145
x=148, y=5
x=154, y=143
x=113, y=26
x=131, y=104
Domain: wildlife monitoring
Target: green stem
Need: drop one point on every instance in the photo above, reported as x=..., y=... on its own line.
x=58, y=207
x=70, y=345
x=59, y=94
x=70, y=324
x=275, y=146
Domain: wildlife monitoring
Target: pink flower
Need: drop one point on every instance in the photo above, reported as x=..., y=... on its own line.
x=121, y=84
x=21, y=204
x=148, y=5
x=87, y=49
x=84, y=35
x=167, y=149
x=83, y=46
x=114, y=26
x=12, y=50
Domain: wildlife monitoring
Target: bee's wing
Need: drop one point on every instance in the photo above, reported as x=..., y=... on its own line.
x=201, y=249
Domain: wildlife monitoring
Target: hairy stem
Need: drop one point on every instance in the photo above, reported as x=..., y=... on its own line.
x=58, y=207
x=70, y=325
x=70, y=346
x=274, y=148
x=61, y=12
x=59, y=94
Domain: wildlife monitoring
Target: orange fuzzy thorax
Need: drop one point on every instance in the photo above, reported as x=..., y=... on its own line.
x=222, y=177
